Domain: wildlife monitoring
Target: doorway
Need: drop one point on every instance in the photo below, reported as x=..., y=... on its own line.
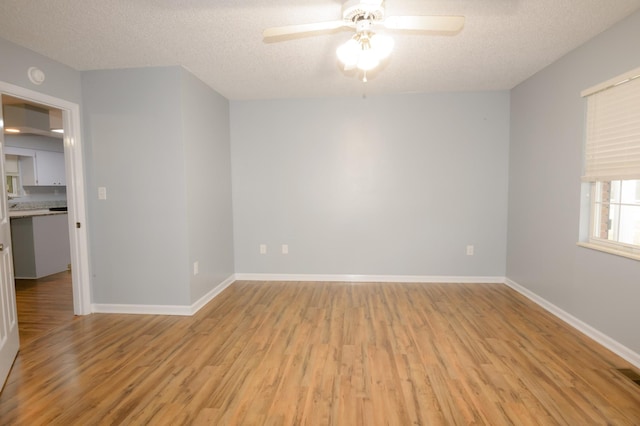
x=68, y=118
x=37, y=203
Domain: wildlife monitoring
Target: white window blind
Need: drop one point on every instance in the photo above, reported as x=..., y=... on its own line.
x=612, y=149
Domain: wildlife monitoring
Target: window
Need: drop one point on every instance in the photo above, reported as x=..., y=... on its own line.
x=12, y=186
x=612, y=165
x=11, y=170
x=616, y=213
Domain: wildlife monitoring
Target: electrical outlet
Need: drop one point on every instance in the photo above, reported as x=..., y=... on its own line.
x=469, y=250
x=285, y=249
x=196, y=268
x=102, y=193
x=263, y=249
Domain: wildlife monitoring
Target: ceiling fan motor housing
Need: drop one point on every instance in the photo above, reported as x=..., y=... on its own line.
x=357, y=10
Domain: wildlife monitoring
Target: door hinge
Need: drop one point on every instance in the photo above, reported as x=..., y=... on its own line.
x=78, y=225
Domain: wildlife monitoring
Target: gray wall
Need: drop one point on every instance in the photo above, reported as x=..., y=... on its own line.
x=158, y=140
x=547, y=123
x=139, y=243
x=61, y=81
x=395, y=185
x=205, y=123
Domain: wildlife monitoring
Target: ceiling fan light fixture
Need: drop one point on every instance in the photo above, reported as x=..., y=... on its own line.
x=382, y=45
x=364, y=51
x=368, y=60
x=349, y=52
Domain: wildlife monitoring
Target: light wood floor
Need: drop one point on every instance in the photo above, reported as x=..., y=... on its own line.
x=43, y=305
x=325, y=354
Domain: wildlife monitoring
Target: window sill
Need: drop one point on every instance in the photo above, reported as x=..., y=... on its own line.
x=609, y=250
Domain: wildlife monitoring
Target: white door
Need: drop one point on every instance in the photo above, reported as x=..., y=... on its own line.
x=9, y=342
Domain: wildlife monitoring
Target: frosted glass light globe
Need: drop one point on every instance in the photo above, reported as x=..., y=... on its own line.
x=349, y=52
x=368, y=60
x=382, y=45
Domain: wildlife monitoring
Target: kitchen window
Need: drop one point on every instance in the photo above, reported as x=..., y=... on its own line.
x=612, y=165
x=11, y=171
x=12, y=186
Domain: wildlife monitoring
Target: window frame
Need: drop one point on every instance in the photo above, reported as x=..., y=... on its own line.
x=610, y=246
x=591, y=239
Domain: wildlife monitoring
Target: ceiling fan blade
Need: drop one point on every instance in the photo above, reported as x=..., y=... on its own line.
x=304, y=28
x=425, y=23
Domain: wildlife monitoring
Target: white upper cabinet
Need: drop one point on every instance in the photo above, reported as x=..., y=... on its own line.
x=49, y=168
x=11, y=165
x=40, y=168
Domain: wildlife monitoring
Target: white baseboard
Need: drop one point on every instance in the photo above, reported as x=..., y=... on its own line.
x=195, y=307
x=598, y=336
x=183, y=310
x=370, y=278
x=606, y=341
x=200, y=303
x=109, y=308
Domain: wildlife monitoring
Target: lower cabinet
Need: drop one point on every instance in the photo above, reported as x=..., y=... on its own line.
x=40, y=245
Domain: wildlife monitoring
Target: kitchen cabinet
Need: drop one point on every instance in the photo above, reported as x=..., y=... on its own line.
x=41, y=168
x=50, y=168
x=40, y=245
x=11, y=165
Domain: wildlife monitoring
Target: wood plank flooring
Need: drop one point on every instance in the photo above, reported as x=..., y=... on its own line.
x=324, y=354
x=43, y=305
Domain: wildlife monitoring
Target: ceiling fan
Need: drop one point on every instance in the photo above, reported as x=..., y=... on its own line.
x=366, y=48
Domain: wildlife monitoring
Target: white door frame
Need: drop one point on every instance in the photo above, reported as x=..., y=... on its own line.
x=74, y=169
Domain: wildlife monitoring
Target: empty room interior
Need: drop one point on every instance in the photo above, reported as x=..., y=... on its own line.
x=363, y=212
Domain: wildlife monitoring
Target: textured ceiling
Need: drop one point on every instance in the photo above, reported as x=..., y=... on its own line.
x=502, y=43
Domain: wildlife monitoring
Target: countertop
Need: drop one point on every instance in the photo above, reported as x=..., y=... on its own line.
x=31, y=213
